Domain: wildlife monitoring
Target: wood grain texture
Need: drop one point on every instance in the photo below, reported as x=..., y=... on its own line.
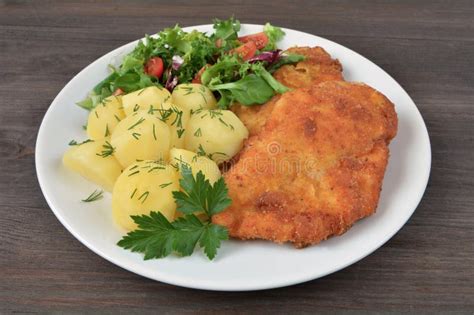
x=428, y=46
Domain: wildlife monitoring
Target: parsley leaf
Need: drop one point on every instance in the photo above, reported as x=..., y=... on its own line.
x=192, y=198
x=199, y=195
x=218, y=198
x=190, y=231
x=211, y=239
x=156, y=237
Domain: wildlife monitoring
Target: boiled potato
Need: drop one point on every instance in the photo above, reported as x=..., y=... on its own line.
x=176, y=118
x=216, y=133
x=197, y=163
x=144, y=187
x=104, y=117
x=141, y=136
x=94, y=160
x=192, y=96
x=143, y=99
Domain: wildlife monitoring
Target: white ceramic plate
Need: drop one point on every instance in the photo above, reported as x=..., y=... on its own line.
x=239, y=265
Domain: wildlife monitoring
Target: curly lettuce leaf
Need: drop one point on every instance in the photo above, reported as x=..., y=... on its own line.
x=274, y=34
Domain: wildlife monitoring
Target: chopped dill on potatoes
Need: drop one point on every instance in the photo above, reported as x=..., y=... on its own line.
x=137, y=123
x=180, y=132
x=154, y=132
x=165, y=185
x=108, y=150
x=131, y=174
x=144, y=196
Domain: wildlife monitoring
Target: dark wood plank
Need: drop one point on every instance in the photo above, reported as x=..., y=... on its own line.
x=428, y=46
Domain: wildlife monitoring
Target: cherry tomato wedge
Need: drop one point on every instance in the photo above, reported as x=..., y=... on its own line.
x=246, y=51
x=260, y=39
x=118, y=91
x=197, y=78
x=154, y=67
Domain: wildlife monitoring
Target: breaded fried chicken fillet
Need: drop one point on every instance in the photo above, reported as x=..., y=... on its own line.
x=316, y=68
x=315, y=168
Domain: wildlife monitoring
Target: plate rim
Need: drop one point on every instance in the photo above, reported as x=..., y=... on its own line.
x=217, y=286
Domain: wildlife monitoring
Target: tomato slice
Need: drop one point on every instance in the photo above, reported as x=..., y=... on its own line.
x=197, y=78
x=246, y=51
x=154, y=67
x=260, y=39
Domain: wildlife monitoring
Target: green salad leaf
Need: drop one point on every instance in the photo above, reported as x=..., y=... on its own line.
x=239, y=81
x=284, y=60
x=226, y=32
x=251, y=89
x=274, y=34
x=259, y=69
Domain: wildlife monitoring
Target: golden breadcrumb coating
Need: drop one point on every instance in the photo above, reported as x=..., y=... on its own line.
x=315, y=168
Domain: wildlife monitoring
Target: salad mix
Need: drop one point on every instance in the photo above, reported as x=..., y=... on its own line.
x=236, y=69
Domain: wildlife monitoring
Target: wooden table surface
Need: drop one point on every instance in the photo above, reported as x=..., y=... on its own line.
x=427, y=46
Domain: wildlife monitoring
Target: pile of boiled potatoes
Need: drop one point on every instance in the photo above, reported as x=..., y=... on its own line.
x=137, y=141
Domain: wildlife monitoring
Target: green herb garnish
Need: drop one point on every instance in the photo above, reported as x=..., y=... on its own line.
x=74, y=142
x=180, y=132
x=274, y=34
x=154, y=132
x=107, y=132
x=96, y=195
x=157, y=237
x=108, y=150
x=144, y=196
x=165, y=185
x=137, y=123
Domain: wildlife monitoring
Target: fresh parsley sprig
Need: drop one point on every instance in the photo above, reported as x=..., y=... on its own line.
x=199, y=195
x=157, y=237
